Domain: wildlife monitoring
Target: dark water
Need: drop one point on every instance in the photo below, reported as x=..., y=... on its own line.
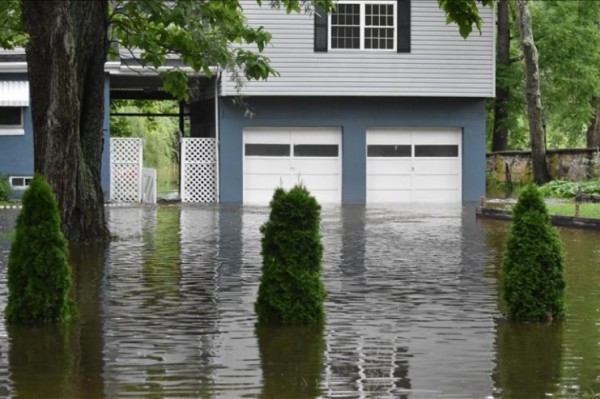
x=167, y=311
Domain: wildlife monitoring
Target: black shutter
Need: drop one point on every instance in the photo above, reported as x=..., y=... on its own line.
x=320, y=30
x=403, y=26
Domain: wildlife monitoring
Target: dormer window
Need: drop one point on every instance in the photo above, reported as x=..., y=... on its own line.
x=370, y=25
x=363, y=25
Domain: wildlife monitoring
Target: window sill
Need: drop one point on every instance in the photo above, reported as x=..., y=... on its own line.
x=12, y=132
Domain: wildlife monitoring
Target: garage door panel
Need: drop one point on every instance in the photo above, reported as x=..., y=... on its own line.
x=256, y=196
x=435, y=166
x=388, y=167
x=316, y=167
x=389, y=136
x=389, y=196
x=266, y=182
x=433, y=182
x=430, y=172
x=436, y=196
x=316, y=182
x=316, y=135
x=446, y=136
x=266, y=165
x=313, y=160
x=327, y=196
x=267, y=136
x=389, y=182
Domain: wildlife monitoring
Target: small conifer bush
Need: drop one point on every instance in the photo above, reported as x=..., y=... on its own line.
x=291, y=290
x=532, y=267
x=39, y=276
x=5, y=188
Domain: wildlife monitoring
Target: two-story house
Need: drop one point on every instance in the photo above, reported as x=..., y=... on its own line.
x=379, y=101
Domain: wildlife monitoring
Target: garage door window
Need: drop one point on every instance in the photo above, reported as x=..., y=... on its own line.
x=316, y=150
x=389, y=151
x=442, y=151
x=267, y=150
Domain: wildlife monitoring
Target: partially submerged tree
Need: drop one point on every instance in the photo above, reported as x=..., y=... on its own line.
x=39, y=276
x=291, y=290
x=533, y=281
x=68, y=46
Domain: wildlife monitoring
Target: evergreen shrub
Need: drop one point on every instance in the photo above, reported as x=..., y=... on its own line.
x=532, y=267
x=39, y=276
x=291, y=290
x=5, y=188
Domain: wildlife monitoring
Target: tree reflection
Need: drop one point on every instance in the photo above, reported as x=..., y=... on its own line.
x=528, y=359
x=291, y=360
x=64, y=361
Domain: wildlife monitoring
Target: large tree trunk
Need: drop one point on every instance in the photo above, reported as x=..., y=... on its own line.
x=593, y=131
x=65, y=59
x=500, y=132
x=534, y=102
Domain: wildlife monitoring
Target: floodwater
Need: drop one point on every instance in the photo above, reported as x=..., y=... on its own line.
x=412, y=312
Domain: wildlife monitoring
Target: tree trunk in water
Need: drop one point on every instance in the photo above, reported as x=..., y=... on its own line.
x=593, y=131
x=65, y=59
x=500, y=133
x=534, y=102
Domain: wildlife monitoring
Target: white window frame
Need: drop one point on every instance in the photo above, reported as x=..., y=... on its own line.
x=363, y=3
x=11, y=178
x=13, y=130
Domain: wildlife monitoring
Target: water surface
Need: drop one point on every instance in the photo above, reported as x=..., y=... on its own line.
x=412, y=312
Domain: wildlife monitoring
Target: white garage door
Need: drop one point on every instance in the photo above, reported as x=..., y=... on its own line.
x=284, y=157
x=414, y=165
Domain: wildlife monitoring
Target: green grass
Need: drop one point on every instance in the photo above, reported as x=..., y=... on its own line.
x=586, y=210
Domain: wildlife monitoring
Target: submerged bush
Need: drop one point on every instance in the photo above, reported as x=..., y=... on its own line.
x=39, y=276
x=291, y=290
x=532, y=267
x=5, y=188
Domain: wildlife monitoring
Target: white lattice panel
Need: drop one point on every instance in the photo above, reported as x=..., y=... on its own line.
x=126, y=158
x=199, y=170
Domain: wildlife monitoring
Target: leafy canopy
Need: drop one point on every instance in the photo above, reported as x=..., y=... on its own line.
x=203, y=34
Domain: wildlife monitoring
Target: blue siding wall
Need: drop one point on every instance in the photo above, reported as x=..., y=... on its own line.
x=16, y=152
x=354, y=116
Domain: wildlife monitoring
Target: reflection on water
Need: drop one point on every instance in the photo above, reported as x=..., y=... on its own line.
x=412, y=312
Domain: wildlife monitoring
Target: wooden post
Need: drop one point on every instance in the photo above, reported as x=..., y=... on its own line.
x=576, y=209
x=482, y=202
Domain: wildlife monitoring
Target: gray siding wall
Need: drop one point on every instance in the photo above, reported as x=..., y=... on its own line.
x=441, y=62
x=354, y=116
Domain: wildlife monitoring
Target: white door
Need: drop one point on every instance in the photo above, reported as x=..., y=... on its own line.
x=284, y=157
x=414, y=165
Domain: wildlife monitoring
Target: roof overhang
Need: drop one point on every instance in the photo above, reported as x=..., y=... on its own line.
x=14, y=93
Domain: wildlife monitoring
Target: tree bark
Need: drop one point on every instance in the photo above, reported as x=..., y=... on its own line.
x=534, y=102
x=65, y=60
x=500, y=132
x=593, y=130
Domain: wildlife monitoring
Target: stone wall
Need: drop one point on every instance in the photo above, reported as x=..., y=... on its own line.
x=570, y=164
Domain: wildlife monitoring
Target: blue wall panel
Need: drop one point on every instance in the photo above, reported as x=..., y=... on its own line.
x=354, y=116
x=16, y=152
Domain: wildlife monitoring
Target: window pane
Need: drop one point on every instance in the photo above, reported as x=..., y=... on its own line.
x=316, y=150
x=10, y=116
x=345, y=26
x=380, y=150
x=17, y=182
x=268, y=150
x=450, y=150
